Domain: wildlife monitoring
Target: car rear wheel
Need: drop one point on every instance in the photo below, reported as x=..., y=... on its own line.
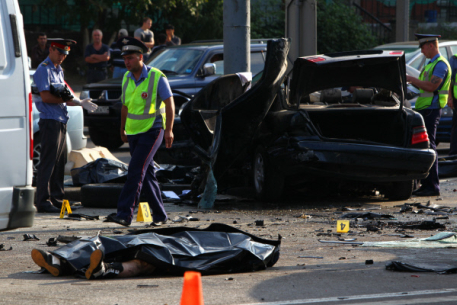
x=268, y=182
x=36, y=156
x=400, y=190
x=109, y=139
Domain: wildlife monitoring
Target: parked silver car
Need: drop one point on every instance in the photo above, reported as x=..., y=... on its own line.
x=415, y=60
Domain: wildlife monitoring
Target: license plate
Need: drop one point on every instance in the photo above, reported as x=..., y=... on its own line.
x=101, y=110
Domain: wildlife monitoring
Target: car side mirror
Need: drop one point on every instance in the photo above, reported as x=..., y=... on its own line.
x=208, y=69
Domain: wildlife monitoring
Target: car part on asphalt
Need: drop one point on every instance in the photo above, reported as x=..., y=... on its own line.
x=52, y=242
x=178, y=249
x=67, y=239
x=421, y=267
x=79, y=216
x=100, y=171
x=28, y=237
x=2, y=248
x=367, y=215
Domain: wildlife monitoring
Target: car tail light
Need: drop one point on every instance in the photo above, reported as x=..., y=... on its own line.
x=419, y=135
x=396, y=53
x=315, y=59
x=31, y=125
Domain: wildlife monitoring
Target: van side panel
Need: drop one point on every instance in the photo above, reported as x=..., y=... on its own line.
x=16, y=194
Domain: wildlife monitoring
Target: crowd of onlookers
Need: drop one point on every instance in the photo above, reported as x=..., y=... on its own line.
x=102, y=59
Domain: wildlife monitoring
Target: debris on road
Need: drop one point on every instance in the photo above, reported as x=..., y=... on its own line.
x=28, y=237
x=52, y=242
x=77, y=216
x=440, y=240
x=2, y=248
x=368, y=215
x=421, y=267
x=67, y=239
x=317, y=257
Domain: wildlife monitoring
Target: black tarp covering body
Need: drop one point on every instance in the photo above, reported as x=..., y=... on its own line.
x=216, y=249
x=239, y=114
x=100, y=171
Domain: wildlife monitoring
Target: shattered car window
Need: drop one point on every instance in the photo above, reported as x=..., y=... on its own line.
x=176, y=61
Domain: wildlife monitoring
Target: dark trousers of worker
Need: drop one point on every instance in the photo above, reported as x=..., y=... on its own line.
x=453, y=148
x=141, y=176
x=51, y=169
x=431, y=120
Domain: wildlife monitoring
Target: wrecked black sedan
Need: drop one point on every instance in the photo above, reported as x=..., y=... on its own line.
x=336, y=118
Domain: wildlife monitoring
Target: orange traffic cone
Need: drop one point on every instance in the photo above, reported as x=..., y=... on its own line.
x=192, y=293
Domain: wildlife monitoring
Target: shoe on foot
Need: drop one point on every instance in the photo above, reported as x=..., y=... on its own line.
x=47, y=261
x=116, y=219
x=426, y=193
x=50, y=208
x=158, y=223
x=98, y=269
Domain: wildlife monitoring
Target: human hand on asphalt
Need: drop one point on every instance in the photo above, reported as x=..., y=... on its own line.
x=88, y=105
x=168, y=138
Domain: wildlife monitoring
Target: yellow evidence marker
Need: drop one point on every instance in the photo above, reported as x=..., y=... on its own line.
x=65, y=206
x=342, y=226
x=144, y=214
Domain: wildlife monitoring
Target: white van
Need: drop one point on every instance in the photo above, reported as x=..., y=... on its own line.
x=16, y=142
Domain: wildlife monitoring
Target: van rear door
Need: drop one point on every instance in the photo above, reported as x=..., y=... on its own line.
x=16, y=193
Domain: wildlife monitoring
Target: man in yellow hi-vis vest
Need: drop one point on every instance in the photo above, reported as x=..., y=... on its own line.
x=433, y=82
x=147, y=118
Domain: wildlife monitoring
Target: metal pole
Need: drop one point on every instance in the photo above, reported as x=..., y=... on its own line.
x=402, y=26
x=237, y=36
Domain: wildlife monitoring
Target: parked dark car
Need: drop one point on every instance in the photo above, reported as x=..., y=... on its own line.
x=338, y=117
x=188, y=69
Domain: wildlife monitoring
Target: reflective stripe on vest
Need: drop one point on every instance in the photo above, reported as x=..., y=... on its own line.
x=425, y=98
x=455, y=83
x=139, y=101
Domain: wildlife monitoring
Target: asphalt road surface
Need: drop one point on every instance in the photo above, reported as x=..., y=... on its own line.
x=308, y=271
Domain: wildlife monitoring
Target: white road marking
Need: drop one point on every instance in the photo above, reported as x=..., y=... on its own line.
x=373, y=296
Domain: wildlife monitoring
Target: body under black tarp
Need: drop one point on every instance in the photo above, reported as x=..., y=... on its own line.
x=214, y=250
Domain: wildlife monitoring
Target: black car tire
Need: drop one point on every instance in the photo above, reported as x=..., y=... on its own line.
x=103, y=195
x=400, y=190
x=268, y=182
x=36, y=156
x=109, y=139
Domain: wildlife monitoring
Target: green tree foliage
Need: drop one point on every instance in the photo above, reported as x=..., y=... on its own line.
x=267, y=19
x=340, y=28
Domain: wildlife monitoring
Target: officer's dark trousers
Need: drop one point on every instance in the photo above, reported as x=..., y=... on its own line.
x=431, y=119
x=141, y=175
x=51, y=170
x=453, y=150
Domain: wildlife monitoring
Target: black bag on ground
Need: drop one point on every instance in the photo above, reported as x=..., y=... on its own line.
x=100, y=171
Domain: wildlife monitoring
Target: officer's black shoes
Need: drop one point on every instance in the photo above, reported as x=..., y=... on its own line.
x=50, y=208
x=116, y=219
x=426, y=193
x=158, y=223
x=98, y=269
x=47, y=261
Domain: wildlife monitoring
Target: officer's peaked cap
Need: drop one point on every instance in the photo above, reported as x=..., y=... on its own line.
x=424, y=38
x=130, y=45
